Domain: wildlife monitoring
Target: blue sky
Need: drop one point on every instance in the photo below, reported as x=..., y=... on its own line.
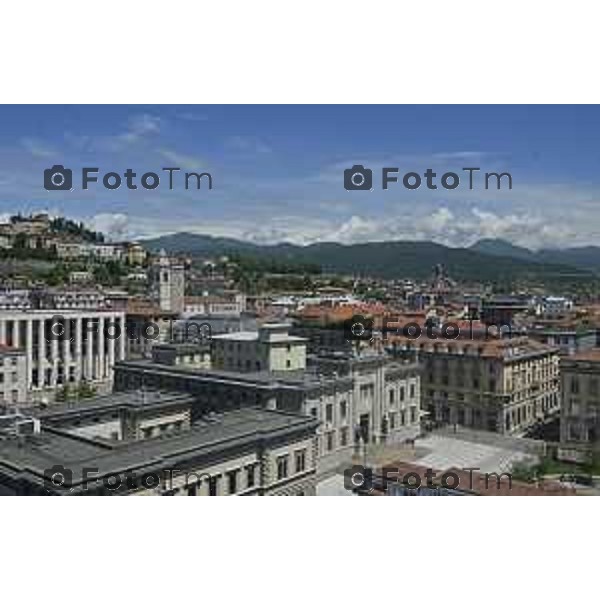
x=278, y=170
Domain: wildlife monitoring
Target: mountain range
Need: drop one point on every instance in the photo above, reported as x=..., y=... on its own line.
x=583, y=257
x=490, y=260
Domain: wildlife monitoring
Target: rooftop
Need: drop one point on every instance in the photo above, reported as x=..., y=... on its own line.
x=32, y=456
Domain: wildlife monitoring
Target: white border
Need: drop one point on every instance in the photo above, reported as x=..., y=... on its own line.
x=269, y=51
x=298, y=547
x=276, y=52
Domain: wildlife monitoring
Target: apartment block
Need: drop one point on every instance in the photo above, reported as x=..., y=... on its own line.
x=501, y=385
x=580, y=410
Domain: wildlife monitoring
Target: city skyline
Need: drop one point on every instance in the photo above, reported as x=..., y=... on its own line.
x=278, y=170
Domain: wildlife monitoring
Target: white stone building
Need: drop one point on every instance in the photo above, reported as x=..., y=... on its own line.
x=271, y=348
x=65, y=347
x=13, y=377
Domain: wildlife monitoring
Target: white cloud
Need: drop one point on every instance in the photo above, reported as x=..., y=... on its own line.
x=115, y=226
x=37, y=148
x=181, y=160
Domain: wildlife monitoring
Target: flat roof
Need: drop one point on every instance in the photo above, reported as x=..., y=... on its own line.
x=253, y=336
x=37, y=453
x=301, y=378
x=130, y=399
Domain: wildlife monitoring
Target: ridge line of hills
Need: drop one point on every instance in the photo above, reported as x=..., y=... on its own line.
x=486, y=260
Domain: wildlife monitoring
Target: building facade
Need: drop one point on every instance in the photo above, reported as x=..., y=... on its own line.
x=356, y=400
x=580, y=410
x=271, y=348
x=498, y=385
x=65, y=347
x=13, y=377
x=128, y=444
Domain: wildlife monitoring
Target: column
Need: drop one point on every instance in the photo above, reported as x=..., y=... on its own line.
x=41, y=353
x=89, y=362
x=122, y=338
x=54, y=355
x=77, y=349
x=101, y=357
x=112, y=329
x=2, y=332
x=16, y=333
x=29, y=351
x=66, y=350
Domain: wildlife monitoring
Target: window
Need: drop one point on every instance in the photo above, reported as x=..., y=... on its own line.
x=344, y=436
x=402, y=394
x=232, y=477
x=574, y=385
x=329, y=413
x=330, y=441
x=212, y=486
x=343, y=409
x=313, y=412
x=392, y=420
x=412, y=390
x=250, y=476
x=402, y=417
x=413, y=414
x=300, y=461
x=282, y=467
x=392, y=397
x=288, y=364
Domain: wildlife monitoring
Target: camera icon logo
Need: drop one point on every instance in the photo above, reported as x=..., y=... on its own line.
x=57, y=478
x=358, y=178
x=358, y=479
x=58, y=178
x=358, y=328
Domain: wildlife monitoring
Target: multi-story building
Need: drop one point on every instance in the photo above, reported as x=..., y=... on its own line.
x=356, y=399
x=580, y=410
x=501, y=385
x=65, y=347
x=73, y=250
x=226, y=304
x=147, y=324
x=160, y=445
x=192, y=355
x=107, y=252
x=68, y=298
x=568, y=339
x=136, y=254
x=15, y=299
x=13, y=377
x=271, y=348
